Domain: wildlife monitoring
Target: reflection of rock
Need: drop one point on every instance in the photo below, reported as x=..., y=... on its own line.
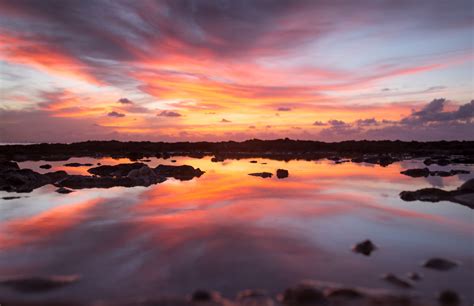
x=39, y=284
x=397, y=281
x=183, y=173
x=282, y=173
x=449, y=298
x=46, y=166
x=86, y=181
x=262, y=174
x=425, y=172
x=365, y=247
x=440, y=264
x=78, y=165
x=463, y=195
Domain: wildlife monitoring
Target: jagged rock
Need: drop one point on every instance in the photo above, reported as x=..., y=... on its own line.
x=449, y=298
x=440, y=264
x=395, y=280
x=282, y=173
x=39, y=284
x=115, y=170
x=46, y=166
x=365, y=247
x=262, y=174
x=183, y=173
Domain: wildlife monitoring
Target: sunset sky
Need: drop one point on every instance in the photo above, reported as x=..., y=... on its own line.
x=214, y=70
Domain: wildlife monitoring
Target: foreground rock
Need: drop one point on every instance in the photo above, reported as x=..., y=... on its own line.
x=425, y=172
x=262, y=174
x=282, y=173
x=183, y=173
x=26, y=180
x=365, y=247
x=115, y=170
x=39, y=284
x=464, y=195
x=440, y=264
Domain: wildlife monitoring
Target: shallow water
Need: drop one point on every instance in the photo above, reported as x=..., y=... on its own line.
x=228, y=231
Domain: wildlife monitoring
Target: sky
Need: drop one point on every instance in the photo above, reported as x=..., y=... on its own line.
x=184, y=70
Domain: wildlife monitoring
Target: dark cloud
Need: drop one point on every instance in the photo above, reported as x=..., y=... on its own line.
x=337, y=123
x=367, y=122
x=319, y=123
x=434, y=112
x=284, y=109
x=169, y=114
x=116, y=114
x=125, y=101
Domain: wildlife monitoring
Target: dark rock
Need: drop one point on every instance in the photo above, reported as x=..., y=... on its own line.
x=253, y=161
x=304, y=294
x=63, y=190
x=78, y=165
x=216, y=159
x=395, y=280
x=440, y=264
x=467, y=186
x=201, y=296
x=365, y=247
x=38, y=284
x=55, y=176
x=424, y=172
x=458, y=171
x=345, y=293
x=10, y=198
x=262, y=174
x=85, y=181
x=23, y=180
x=173, y=160
x=425, y=194
x=115, y=170
x=145, y=176
x=282, y=173
x=449, y=298
x=46, y=166
x=183, y=173
x=414, y=276
x=8, y=166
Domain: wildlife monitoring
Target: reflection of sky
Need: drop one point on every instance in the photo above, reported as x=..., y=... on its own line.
x=229, y=231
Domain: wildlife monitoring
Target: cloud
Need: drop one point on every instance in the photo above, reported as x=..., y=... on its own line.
x=434, y=112
x=166, y=113
x=337, y=123
x=284, y=109
x=319, y=123
x=116, y=114
x=367, y=122
x=225, y=120
x=125, y=101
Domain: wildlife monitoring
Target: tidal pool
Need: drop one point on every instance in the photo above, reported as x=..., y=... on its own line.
x=228, y=231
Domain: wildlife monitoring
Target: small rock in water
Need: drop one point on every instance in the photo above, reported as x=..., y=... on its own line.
x=253, y=161
x=414, y=276
x=449, y=298
x=395, y=280
x=365, y=247
x=282, y=173
x=173, y=160
x=39, y=284
x=345, y=293
x=78, y=165
x=440, y=264
x=64, y=190
x=10, y=198
x=262, y=174
x=304, y=294
x=46, y=166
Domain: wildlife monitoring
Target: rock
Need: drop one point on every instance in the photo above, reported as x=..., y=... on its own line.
x=216, y=159
x=468, y=186
x=304, y=294
x=254, y=298
x=345, y=293
x=56, y=176
x=395, y=280
x=183, y=173
x=282, y=173
x=39, y=284
x=8, y=166
x=253, y=161
x=414, y=276
x=173, y=160
x=10, y=198
x=262, y=174
x=145, y=176
x=23, y=180
x=365, y=247
x=440, y=264
x=85, y=181
x=201, y=296
x=115, y=170
x=63, y=190
x=424, y=172
x=449, y=298
x=78, y=165
x=46, y=166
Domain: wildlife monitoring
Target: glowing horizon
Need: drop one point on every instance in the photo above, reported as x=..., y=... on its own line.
x=234, y=70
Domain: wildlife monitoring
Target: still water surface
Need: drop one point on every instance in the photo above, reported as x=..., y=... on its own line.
x=228, y=231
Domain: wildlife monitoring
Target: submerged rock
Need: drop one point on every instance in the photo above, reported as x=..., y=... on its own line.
x=397, y=281
x=282, y=173
x=440, y=264
x=39, y=284
x=449, y=298
x=46, y=166
x=262, y=174
x=365, y=247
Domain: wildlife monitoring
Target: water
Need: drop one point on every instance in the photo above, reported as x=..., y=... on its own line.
x=228, y=231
